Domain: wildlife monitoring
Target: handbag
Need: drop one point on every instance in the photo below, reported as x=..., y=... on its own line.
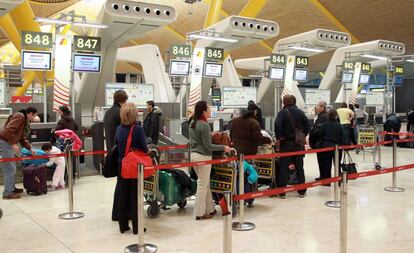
x=132, y=159
x=349, y=166
x=110, y=168
x=300, y=137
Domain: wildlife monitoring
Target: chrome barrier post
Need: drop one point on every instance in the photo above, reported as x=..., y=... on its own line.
x=241, y=225
x=394, y=187
x=343, y=213
x=77, y=159
x=141, y=247
x=378, y=164
x=166, y=156
x=71, y=215
x=227, y=225
x=335, y=203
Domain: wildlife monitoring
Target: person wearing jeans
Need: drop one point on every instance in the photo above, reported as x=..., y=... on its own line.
x=13, y=132
x=201, y=149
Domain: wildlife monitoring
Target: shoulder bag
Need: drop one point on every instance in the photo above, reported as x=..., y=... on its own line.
x=300, y=138
x=132, y=159
x=110, y=168
x=348, y=166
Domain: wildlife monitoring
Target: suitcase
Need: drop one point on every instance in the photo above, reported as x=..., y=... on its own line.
x=169, y=188
x=34, y=180
x=27, y=153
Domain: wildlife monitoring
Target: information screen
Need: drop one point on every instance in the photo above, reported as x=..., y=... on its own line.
x=86, y=63
x=300, y=75
x=347, y=77
x=398, y=80
x=138, y=93
x=179, y=68
x=364, y=79
x=276, y=73
x=36, y=60
x=238, y=96
x=212, y=69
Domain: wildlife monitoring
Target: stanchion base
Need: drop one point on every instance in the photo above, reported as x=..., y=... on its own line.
x=71, y=215
x=146, y=248
x=333, y=203
x=245, y=226
x=394, y=189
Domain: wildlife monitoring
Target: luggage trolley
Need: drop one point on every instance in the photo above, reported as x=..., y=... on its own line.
x=266, y=168
x=162, y=190
x=367, y=134
x=222, y=177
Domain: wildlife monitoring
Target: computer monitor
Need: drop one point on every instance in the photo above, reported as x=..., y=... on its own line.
x=179, y=68
x=398, y=80
x=347, y=77
x=86, y=63
x=36, y=60
x=364, y=79
x=371, y=110
x=212, y=69
x=300, y=75
x=276, y=73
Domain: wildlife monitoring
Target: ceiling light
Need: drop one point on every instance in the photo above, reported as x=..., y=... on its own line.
x=316, y=50
x=199, y=36
x=91, y=25
x=376, y=57
x=53, y=21
x=411, y=60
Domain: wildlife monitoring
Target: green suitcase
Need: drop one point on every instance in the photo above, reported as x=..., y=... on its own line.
x=169, y=189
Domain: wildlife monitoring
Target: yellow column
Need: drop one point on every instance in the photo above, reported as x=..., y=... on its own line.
x=9, y=28
x=253, y=8
x=213, y=14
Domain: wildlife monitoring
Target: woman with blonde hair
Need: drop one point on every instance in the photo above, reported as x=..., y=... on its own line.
x=128, y=187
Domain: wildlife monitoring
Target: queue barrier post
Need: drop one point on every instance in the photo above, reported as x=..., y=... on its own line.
x=141, y=247
x=241, y=225
x=71, y=215
x=227, y=224
x=335, y=203
x=343, y=213
x=394, y=187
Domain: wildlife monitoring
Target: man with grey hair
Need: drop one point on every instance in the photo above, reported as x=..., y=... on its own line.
x=314, y=139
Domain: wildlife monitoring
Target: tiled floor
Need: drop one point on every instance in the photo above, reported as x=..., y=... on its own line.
x=378, y=221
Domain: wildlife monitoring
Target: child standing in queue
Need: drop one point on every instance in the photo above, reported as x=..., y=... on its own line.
x=58, y=181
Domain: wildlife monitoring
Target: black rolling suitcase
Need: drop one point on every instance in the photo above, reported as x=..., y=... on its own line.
x=34, y=179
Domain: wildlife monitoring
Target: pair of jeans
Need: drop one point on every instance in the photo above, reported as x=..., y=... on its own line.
x=204, y=199
x=9, y=168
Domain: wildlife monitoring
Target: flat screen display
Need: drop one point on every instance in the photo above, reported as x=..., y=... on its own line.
x=300, y=75
x=364, y=79
x=179, y=68
x=36, y=60
x=398, y=80
x=277, y=74
x=347, y=77
x=212, y=69
x=86, y=63
x=238, y=96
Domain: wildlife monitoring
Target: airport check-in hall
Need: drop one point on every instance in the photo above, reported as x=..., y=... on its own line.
x=202, y=126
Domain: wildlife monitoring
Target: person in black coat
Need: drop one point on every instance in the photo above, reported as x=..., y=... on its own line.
x=314, y=139
x=331, y=133
x=152, y=123
x=285, y=134
x=410, y=121
x=112, y=120
x=392, y=124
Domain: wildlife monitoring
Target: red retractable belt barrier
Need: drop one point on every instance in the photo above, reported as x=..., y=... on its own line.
x=182, y=165
x=99, y=152
x=400, y=134
x=162, y=148
x=382, y=171
x=254, y=195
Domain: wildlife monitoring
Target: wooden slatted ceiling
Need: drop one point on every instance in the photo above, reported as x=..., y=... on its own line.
x=376, y=19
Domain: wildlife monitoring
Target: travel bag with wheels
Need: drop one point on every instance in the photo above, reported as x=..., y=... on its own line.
x=34, y=179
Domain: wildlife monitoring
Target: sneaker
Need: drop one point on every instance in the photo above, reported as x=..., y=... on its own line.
x=17, y=190
x=51, y=188
x=12, y=196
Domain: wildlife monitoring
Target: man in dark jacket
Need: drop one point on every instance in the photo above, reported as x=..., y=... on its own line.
x=314, y=139
x=245, y=132
x=152, y=122
x=13, y=132
x=112, y=120
x=392, y=124
x=410, y=121
x=287, y=120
